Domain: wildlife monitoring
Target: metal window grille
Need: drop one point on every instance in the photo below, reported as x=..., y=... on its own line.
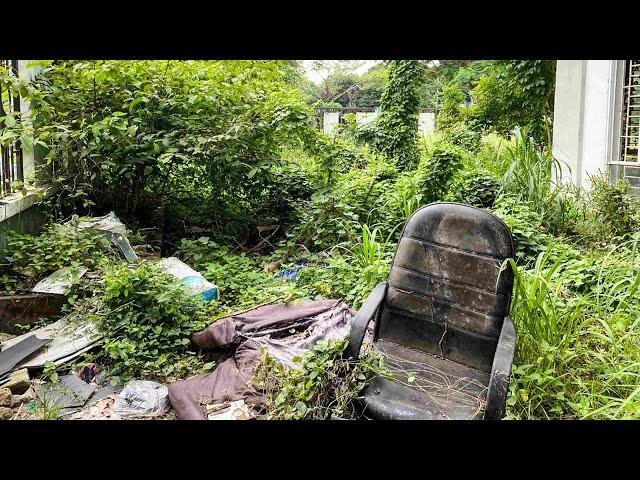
x=628, y=164
x=11, y=167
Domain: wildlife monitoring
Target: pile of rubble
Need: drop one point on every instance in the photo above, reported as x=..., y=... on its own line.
x=58, y=343
x=286, y=330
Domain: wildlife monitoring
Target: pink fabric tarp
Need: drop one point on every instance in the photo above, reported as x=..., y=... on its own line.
x=286, y=330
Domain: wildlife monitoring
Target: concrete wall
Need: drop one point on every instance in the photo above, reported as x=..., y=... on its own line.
x=27, y=221
x=329, y=122
x=586, y=117
x=426, y=120
x=362, y=118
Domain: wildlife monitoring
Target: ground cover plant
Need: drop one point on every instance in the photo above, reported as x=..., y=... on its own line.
x=219, y=151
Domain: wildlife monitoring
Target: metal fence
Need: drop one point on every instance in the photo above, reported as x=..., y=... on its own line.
x=11, y=160
x=628, y=165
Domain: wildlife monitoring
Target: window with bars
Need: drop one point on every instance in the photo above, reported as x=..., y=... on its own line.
x=11, y=159
x=628, y=166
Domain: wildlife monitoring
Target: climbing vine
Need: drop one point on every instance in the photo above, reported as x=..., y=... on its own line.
x=397, y=123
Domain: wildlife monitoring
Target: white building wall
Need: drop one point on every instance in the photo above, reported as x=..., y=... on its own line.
x=362, y=118
x=329, y=122
x=426, y=122
x=586, y=117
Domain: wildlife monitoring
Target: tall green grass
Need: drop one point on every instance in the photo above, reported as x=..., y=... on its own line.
x=577, y=352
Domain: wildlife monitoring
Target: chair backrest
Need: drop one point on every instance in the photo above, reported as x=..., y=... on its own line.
x=446, y=293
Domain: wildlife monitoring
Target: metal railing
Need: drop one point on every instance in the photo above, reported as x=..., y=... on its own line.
x=11, y=159
x=628, y=164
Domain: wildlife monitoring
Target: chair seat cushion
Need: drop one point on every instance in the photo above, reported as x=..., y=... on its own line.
x=424, y=387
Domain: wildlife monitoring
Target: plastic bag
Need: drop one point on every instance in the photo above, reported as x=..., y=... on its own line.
x=142, y=398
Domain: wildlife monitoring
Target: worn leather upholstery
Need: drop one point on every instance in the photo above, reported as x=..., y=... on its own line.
x=441, y=315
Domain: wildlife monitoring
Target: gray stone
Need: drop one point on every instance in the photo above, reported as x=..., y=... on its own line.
x=19, y=382
x=5, y=397
x=26, y=397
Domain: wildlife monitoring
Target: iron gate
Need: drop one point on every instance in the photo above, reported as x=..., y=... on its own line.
x=11, y=164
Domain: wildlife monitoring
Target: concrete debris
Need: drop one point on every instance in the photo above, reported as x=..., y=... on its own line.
x=6, y=413
x=60, y=281
x=5, y=397
x=26, y=397
x=18, y=381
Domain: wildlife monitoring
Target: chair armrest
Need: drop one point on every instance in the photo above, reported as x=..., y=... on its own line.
x=500, y=372
x=362, y=319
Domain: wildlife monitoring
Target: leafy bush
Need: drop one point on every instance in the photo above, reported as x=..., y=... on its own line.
x=614, y=208
x=437, y=170
x=334, y=213
x=147, y=319
x=135, y=136
x=475, y=187
x=324, y=386
x=510, y=94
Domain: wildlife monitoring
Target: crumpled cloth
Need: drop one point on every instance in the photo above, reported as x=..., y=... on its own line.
x=286, y=330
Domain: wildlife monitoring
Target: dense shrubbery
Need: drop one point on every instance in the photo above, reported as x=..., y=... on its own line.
x=513, y=93
x=184, y=140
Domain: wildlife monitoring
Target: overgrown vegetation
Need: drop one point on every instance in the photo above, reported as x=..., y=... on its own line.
x=323, y=386
x=147, y=318
x=216, y=149
x=30, y=258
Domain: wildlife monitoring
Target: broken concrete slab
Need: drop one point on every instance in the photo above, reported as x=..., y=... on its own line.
x=5, y=397
x=60, y=281
x=26, y=397
x=68, y=339
x=18, y=381
x=17, y=349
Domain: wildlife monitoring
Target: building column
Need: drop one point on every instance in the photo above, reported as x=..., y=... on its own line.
x=28, y=159
x=586, y=117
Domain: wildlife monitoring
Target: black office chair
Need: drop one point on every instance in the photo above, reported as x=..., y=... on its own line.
x=441, y=319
